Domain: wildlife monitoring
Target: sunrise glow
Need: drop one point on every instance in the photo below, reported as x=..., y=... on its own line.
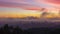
x=24, y=8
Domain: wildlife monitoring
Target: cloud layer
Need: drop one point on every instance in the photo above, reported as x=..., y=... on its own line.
x=54, y=1
x=30, y=4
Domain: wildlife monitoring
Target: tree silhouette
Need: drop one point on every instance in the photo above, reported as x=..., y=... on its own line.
x=17, y=30
x=6, y=29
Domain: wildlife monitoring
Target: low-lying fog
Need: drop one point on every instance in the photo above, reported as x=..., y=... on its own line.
x=28, y=23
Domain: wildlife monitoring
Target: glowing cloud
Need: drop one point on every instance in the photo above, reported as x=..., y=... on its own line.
x=27, y=5
x=30, y=4
x=54, y=1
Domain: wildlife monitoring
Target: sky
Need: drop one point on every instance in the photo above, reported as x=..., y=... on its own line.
x=22, y=8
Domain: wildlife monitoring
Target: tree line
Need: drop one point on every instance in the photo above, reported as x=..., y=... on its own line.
x=17, y=30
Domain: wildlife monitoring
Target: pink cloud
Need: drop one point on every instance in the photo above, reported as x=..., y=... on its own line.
x=15, y=1
x=49, y=1
x=12, y=0
x=25, y=4
x=20, y=5
x=54, y=1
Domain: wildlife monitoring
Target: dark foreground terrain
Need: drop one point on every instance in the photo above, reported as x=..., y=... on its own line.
x=17, y=30
x=18, y=26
